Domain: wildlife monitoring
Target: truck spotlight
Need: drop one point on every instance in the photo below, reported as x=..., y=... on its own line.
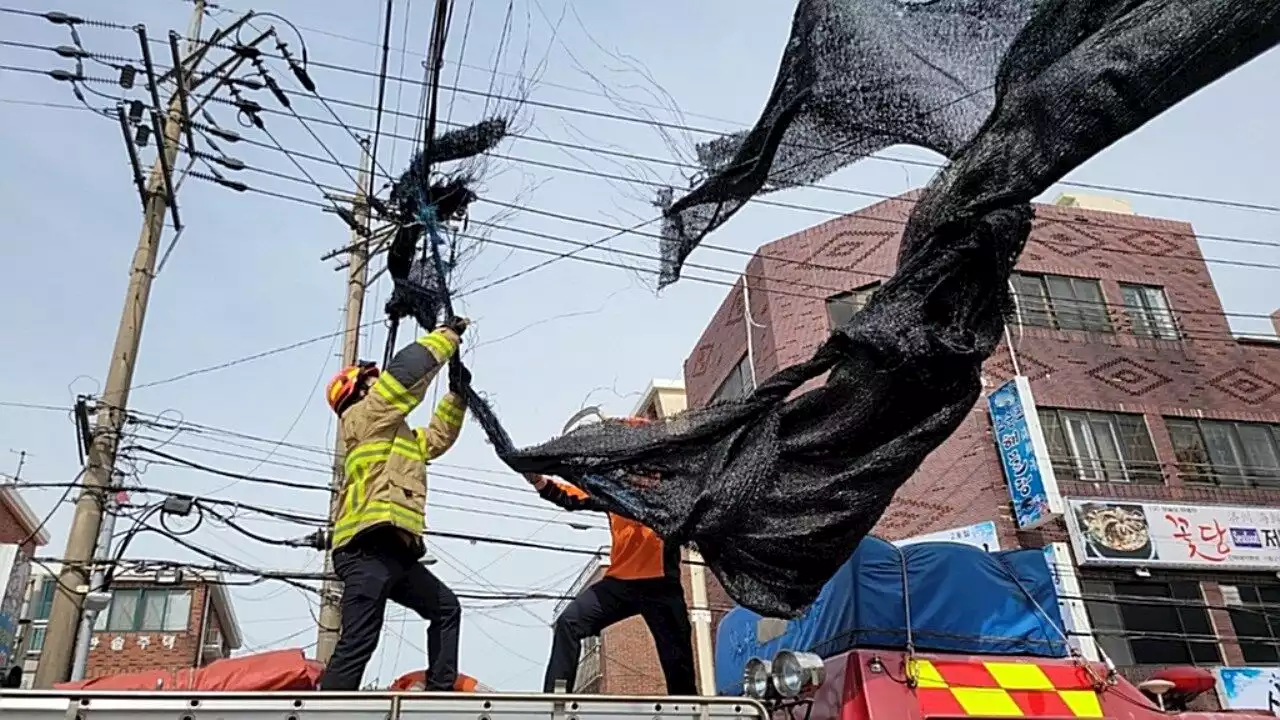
x=755, y=679
x=795, y=673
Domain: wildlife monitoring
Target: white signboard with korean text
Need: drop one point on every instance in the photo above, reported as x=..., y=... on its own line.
x=1249, y=688
x=983, y=535
x=1117, y=532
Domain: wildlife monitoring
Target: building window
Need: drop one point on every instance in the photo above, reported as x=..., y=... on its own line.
x=841, y=308
x=738, y=385
x=1226, y=453
x=138, y=609
x=1100, y=446
x=1148, y=311
x=36, y=642
x=1060, y=302
x=42, y=604
x=1151, y=623
x=1257, y=623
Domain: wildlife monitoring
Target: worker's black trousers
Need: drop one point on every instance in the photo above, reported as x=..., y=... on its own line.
x=659, y=601
x=370, y=578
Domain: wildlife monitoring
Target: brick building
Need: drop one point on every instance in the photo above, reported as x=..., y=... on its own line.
x=623, y=660
x=155, y=620
x=21, y=533
x=1143, y=397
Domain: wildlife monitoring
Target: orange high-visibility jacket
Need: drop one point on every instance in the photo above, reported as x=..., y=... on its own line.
x=636, y=552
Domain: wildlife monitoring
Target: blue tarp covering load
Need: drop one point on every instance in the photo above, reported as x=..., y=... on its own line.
x=962, y=600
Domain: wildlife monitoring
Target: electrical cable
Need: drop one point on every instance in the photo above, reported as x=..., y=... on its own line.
x=1206, y=337
x=382, y=78
x=762, y=200
x=490, y=95
x=1171, y=196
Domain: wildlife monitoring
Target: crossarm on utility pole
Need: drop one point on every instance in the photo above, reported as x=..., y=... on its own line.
x=357, y=278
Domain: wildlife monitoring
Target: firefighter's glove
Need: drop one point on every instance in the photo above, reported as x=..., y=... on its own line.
x=459, y=377
x=458, y=325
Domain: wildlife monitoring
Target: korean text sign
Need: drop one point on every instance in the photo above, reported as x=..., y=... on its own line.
x=1249, y=688
x=1024, y=454
x=1107, y=532
x=983, y=536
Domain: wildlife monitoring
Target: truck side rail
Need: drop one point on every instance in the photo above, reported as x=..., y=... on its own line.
x=179, y=705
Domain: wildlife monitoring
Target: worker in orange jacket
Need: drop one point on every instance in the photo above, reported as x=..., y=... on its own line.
x=381, y=514
x=643, y=579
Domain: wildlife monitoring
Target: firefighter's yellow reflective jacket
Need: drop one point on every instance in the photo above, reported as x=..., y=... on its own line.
x=386, y=460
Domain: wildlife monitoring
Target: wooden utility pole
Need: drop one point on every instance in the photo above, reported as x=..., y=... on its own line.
x=73, y=582
x=357, y=278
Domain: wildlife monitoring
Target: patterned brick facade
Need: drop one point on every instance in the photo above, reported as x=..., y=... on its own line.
x=1208, y=373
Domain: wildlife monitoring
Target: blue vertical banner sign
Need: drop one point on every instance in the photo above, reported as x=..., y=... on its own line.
x=1024, y=454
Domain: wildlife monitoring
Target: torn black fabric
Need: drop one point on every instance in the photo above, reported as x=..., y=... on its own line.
x=856, y=76
x=777, y=492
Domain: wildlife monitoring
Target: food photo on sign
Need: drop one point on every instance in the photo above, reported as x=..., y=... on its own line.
x=1115, y=531
x=1175, y=535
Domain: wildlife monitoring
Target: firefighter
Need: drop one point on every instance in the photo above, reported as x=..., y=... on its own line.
x=378, y=528
x=643, y=579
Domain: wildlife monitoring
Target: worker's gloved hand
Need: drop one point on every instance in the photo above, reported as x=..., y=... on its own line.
x=459, y=377
x=537, y=481
x=458, y=325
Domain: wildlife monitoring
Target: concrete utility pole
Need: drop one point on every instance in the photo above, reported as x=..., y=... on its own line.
x=357, y=278
x=60, y=638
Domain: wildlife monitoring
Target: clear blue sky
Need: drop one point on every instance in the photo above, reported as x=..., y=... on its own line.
x=246, y=275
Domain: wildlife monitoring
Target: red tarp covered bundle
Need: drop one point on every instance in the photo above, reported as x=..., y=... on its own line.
x=274, y=670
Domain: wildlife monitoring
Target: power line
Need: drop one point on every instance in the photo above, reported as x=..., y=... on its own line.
x=490, y=95
x=747, y=253
x=649, y=121
x=1093, y=223
x=763, y=201
x=1206, y=337
x=334, y=161
x=733, y=126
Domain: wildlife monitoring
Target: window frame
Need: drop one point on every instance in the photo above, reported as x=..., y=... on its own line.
x=1118, y=641
x=1091, y=315
x=36, y=637
x=741, y=371
x=851, y=302
x=42, y=603
x=1060, y=427
x=1257, y=609
x=1153, y=318
x=138, y=623
x=1208, y=471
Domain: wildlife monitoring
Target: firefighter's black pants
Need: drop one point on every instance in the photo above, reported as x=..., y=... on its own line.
x=659, y=601
x=371, y=576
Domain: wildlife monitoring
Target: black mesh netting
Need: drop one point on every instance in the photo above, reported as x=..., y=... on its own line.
x=421, y=198
x=776, y=491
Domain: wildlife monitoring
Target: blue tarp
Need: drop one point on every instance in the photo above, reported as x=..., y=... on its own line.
x=962, y=600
